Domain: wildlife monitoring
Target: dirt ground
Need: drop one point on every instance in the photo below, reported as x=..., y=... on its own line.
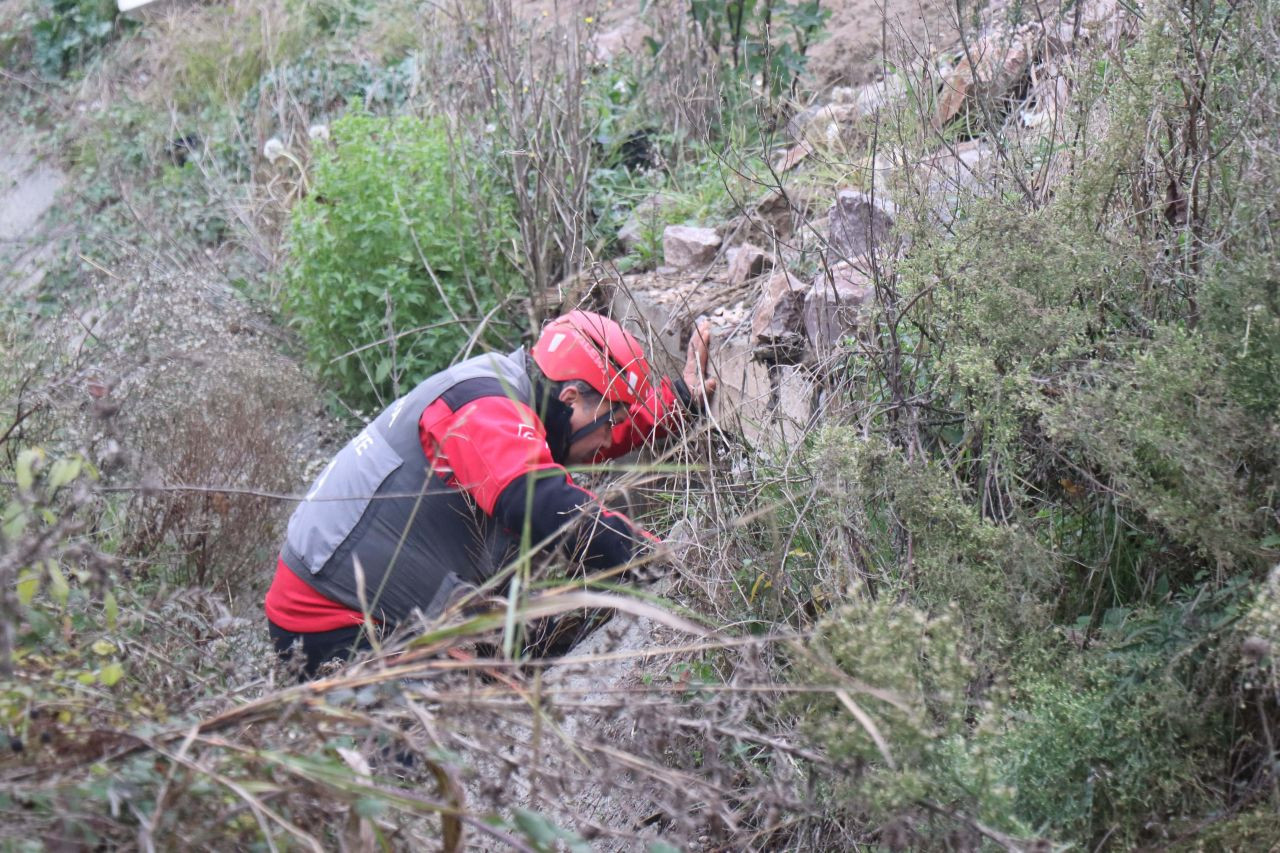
x=859, y=31
x=852, y=52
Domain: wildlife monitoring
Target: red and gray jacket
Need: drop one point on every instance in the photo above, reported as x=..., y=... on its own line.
x=437, y=492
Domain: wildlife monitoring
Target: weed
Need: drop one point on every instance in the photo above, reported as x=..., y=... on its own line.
x=68, y=33
x=386, y=273
x=214, y=55
x=761, y=39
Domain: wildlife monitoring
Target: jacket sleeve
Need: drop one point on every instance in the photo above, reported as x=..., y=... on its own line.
x=649, y=420
x=495, y=449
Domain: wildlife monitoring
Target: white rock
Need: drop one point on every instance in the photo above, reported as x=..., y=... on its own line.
x=684, y=246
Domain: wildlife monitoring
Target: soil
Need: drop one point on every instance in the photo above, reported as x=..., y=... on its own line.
x=861, y=35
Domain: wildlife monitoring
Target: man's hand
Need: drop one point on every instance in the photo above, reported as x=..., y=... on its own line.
x=701, y=387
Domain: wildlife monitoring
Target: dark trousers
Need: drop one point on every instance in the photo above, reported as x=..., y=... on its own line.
x=320, y=647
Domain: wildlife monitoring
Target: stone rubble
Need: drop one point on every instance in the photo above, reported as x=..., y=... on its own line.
x=858, y=223
x=746, y=262
x=685, y=246
x=777, y=321
x=773, y=330
x=836, y=306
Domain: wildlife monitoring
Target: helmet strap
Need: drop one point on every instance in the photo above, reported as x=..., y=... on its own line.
x=554, y=414
x=603, y=420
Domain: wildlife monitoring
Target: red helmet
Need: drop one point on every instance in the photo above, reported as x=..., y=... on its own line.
x=595, y=349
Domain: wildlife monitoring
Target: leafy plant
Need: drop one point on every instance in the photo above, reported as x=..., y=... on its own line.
x=68, y=32
x=388, y=272
x=1079, y=748
x=320, y=87
x=746, y=31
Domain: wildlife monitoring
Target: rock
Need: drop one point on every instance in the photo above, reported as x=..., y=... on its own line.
x=774, y=217
x=1107, y=22
x=685, y=246
x=857, y=224
x=874, y=97
x=1048, y=100
x=835, y=306
x=989, y=70
x=777, y=321
x=794, y=156
x=746, y=262
x=625, y=39
x=950, y=175
x=822, y=125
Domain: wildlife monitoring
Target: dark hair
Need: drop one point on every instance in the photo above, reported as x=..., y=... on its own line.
x=540, y=379
x=582, y=387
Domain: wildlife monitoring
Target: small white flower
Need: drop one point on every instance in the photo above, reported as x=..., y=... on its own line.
x=273, y=150
x=318, y=132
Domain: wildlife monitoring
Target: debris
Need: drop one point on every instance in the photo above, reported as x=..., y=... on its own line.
x=777, y=321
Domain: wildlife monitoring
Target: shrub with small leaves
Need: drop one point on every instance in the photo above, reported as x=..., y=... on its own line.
x=897, y=694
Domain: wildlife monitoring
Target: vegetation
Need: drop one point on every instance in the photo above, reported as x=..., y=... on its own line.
x=389, y=275
x=1015, y=586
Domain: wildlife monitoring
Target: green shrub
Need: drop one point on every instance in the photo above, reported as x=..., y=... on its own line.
x=1081, y=745
x=1160, y=425
x=900, y=721
x=69, y=32
x=915, y=528
x=319, y=86
x=389, y=273
x=762, y=39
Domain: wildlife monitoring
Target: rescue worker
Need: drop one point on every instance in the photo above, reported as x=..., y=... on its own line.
x=431, y=499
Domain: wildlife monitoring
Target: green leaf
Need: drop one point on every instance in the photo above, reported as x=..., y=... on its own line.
x=383, y=370
x=64, y=471
x=28, y=586
x=111, y=609
x=111, y=673
x=27, y=462
x=536, y=827
x=15, y=520
x=370, y=807
x=103, y=647
x=58, y=587
x=542, y=832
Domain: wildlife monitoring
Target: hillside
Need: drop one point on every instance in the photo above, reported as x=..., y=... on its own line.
x=977, y=546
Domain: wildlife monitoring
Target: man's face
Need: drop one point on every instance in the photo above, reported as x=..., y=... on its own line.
x=589, y=409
